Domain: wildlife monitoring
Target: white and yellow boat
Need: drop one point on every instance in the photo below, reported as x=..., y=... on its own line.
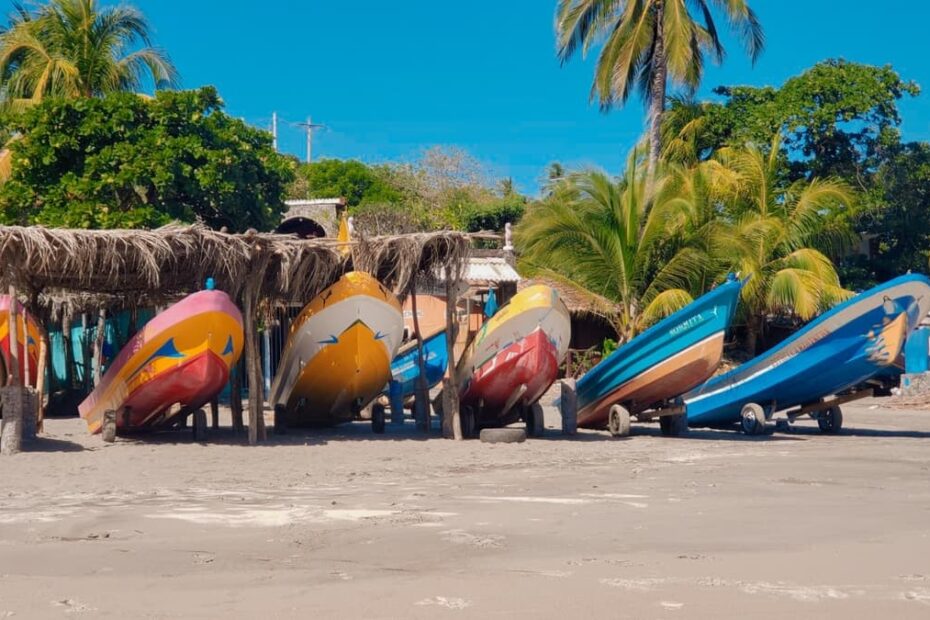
x=338, y=353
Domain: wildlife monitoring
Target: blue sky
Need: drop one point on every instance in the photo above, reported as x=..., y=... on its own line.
x=390, y=78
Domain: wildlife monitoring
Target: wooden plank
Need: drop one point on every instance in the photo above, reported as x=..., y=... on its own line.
x=839, y=400
x=27, y=371
x=421, y=392
x=98, y=345
x=451, y=422
x=40, y=383
x=13, y=365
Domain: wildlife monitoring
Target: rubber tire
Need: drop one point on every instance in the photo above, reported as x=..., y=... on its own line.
x=674, y=425
x=535, y=422
x=468, y=422
x=830, y=420
x=280, y=419
x=752, y=419
x=377, y=418
x=503, y=435
x=618, y=421
x=200, y=425
x=109, y=426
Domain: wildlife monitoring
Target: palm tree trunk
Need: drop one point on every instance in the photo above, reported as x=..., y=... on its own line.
x=656, y=96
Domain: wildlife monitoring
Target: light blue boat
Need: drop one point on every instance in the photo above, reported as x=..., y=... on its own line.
x=834, y=353
x=405, y=369
x=659, y=365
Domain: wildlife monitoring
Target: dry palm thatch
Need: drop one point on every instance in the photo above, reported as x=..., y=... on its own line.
x=579, y=301
x=397, y=260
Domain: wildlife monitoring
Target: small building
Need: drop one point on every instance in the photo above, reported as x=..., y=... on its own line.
x=314, y=218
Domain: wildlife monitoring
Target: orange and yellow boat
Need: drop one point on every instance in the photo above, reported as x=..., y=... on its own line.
x=181, y=357
x=27, y=342
x=338, y=354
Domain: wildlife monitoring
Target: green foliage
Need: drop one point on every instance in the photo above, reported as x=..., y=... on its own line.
x=76, y=48
x=608, y=346
x=125, y=161
x=351, y=179
x=493, y=214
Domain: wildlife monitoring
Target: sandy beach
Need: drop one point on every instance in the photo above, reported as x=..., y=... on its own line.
x=341, y=523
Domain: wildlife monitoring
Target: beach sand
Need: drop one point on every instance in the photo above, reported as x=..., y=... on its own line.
x=344, y=524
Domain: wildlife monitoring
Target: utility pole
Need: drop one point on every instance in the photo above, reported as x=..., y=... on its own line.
x=310, y=126
x=274, y=130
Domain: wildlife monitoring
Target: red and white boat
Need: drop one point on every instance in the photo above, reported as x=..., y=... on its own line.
x=513, y=360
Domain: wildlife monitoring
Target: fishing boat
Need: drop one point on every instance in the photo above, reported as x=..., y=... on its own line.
x=27, y=342
x=174, y=365
x=338, y=354
x=830, y=356
x=653, y=369
x=405, y=368
x=513, y=360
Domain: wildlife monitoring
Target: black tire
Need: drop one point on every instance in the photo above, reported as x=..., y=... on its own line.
x=280, y=419
x=377, y=419
x=618, y=421
x=200, y=425
x=503, y=435
x=468, y=422
x=830, y=420
x=674, y=425
x=109, y=426
x=535, y=423
x=752, y=419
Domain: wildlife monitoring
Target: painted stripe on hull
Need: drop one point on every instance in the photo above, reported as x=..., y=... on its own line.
x=668, y=379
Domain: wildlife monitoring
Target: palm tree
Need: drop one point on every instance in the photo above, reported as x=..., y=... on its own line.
x=596, y=235
x=784, y=231
x=76, y=48
x=646, y=42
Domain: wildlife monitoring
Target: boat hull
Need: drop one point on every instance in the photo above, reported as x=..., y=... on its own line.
x=175, y=364
x=27, y=342
x=663, y=362
x=844, y=347
x=405, y=368
x=339, y=351
x=515, y=357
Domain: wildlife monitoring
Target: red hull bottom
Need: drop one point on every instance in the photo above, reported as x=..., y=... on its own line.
x=531, y=361
x=191, y=384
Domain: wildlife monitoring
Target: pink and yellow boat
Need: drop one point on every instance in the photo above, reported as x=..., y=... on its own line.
x=27, y=341
x=181, y=357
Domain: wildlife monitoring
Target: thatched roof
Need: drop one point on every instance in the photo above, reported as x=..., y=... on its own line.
x=579, y=301
x=103, y=268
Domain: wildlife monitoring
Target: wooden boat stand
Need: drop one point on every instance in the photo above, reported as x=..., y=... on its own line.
x=814, y=409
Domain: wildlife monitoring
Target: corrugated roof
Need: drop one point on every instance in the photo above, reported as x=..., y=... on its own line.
x=490, y=269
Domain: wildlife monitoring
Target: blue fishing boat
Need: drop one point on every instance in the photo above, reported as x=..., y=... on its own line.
x=653, y=369
x=405, y=370
x=834, y=353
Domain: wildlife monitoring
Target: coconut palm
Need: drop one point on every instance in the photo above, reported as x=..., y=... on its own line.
x=76, y=48
x=648, y=42
x=596, y=235
x=785, y=230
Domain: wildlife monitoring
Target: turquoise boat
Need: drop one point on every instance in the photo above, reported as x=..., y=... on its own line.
x=405, y=370
x=833, y=354
x=659, y=365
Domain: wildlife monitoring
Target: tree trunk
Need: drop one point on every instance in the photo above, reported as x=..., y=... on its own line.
x=656, y=98
x=753, y=329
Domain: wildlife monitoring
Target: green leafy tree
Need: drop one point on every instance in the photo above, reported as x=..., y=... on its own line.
x=351, y=179
x=77, y=48
x=647, y=42
x=782, y=229
x=122, y=161
x=596, y=235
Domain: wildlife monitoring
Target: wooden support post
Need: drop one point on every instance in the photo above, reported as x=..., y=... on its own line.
x=235, y=397
x=98, y=345
x=568, y=406
x=253, y=364
x=69, y=351
x=11, y=426
x=421, y=390
x=451, y=425
x=40, y=382
x=85, y=354
x=27, y=371
x=13, y=361
x=215, y=412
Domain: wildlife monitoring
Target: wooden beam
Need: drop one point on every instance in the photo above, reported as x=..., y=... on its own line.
x=13, y=360
x=235, y=397
x=40, y=382
x=421, y=393
x=253, y=364
x=451, y=424
x=27, y=371
x=98, y=345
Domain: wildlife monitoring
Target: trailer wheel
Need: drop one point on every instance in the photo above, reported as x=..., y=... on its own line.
x=468, y=422
x=200, y=425
x=377, y=418
x=830, y=420
x=674, y=425
x=535, y=424
x=752, y=419
x=109, y=426
x=618, y=421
